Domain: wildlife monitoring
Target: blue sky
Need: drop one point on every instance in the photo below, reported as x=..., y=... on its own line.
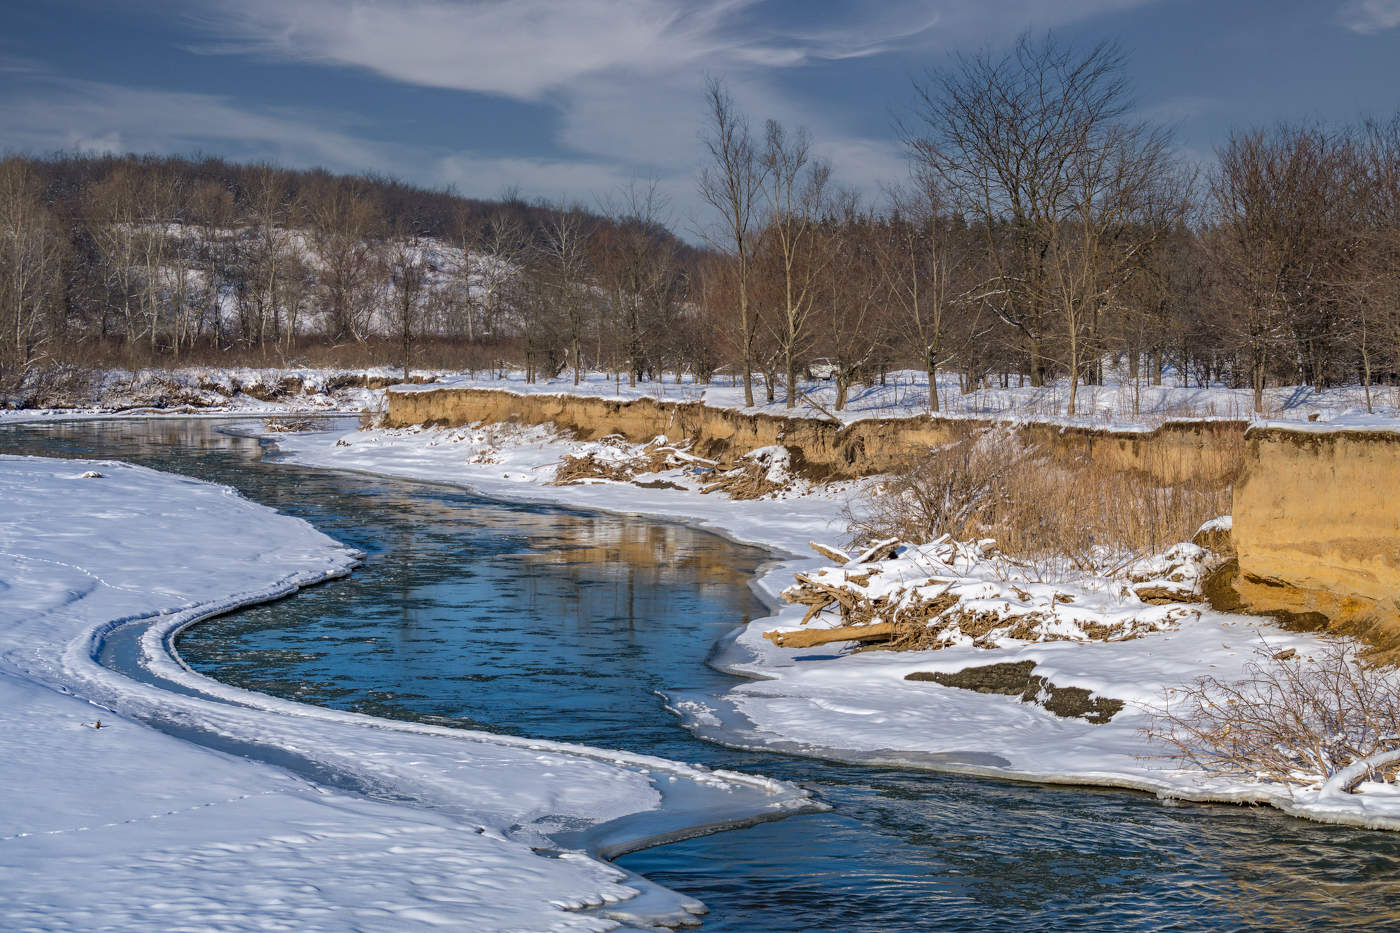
x=572, y=98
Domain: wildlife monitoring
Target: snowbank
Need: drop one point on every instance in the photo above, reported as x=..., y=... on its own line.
x=860, y=707
x=72, y=392
x=1119, y=405
x=210, y=820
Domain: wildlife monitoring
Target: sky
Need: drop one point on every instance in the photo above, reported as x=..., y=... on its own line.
x=576, y=99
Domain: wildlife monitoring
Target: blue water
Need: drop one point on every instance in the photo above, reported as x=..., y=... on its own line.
x=567, y=625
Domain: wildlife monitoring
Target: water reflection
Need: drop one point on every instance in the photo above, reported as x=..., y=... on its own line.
x=562, y=625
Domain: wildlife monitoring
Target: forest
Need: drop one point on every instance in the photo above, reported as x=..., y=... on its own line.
x=1043, y=232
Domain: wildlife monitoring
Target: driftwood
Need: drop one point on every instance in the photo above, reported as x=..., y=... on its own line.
x=830, y=553
x=880, y=550
x=881, y=631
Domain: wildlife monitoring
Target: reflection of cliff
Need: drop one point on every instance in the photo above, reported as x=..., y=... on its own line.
x=665, y=552
x=1317, y=529
x=1175, y=452
x=1317, y=515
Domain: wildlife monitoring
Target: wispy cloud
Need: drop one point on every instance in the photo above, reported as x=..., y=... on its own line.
x=1370, y=16
x=524, y=49
x=47, y=112
x=620, y=80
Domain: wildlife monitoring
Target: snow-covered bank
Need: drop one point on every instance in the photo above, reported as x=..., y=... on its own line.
x=72, y=392
x=860, y=707
x=126, y=827
x=1119, y=404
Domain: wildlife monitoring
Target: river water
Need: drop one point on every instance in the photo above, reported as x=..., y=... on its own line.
x=567, y=625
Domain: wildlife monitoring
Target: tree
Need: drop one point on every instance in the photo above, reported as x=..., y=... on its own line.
x=343, y=221
x=30, y=265
x=642, y=278
x=563, y=255
x=731, y=183
x=408, y=278
x=1272, y=194
x=1013, y=140
x=919, y=260
x=795, y=191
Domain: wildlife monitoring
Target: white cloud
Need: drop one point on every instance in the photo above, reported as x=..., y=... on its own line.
x=524, y=49
x=624, y=77
x=1370, y=16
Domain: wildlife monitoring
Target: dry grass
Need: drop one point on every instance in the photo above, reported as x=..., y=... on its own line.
x=1052, y=513
x=1293, y=719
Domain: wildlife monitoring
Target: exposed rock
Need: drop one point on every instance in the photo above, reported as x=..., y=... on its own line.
x=1215, y=535
x=1016, y=678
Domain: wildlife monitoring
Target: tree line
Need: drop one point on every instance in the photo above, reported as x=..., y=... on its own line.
x=1043, y=232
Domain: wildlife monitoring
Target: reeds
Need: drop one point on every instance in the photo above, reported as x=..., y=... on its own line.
x=1057, y=513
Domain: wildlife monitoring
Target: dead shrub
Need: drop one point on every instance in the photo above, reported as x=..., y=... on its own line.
x=1053, y=514
x=1293, y=719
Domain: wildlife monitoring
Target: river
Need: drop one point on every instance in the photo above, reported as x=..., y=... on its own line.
x=573, y=626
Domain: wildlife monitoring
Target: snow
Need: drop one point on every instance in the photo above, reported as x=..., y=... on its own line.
x=210, y=820
x=829, y=702
x=199, y=389
x=1120, y=404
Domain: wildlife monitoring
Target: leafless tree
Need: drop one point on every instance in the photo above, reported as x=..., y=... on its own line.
x=1272, y=194
x=408, y=277
x=30, y=256
x=795, y=194
x=732, y=182
x=1006, y=137
x=343, y=221
x=922, y=262
x=563, y=255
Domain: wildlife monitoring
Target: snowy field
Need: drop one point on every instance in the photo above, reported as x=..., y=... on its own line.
x=1118, y=404
x=829, y=702
x=1121, y=404
x=129, y=827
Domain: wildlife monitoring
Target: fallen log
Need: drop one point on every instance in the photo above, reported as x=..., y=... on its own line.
x=880, y=631
x=832, y=554
x=880, y=550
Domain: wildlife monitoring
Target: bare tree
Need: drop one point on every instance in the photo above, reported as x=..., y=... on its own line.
x=564, y=263
x=851, y=324
x=408, y=277
x=640, y=270
x=1002, y=135
x=795, y=191
x=731, y=182
x=498, y=270
x=919, y=260
x=343, y=221
x=30, y=257
x=1272, y=193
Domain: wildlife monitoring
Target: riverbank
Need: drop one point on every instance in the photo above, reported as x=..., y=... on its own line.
x=860, y=707
x=209, y=819
x=67, y=392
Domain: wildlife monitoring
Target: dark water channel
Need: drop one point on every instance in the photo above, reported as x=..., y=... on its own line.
x=566, y=625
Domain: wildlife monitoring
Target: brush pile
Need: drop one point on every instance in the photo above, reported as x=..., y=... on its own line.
x=615, y=459
x=289, y=425
x=764, y=471
x=959, y=593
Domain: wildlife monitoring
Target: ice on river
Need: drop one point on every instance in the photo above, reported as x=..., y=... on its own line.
x=129, y=827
